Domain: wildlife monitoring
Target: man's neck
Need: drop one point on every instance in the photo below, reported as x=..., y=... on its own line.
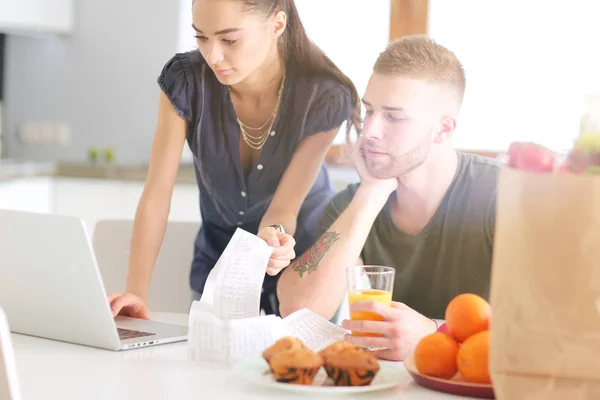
x=262, y=83
x=420, y=192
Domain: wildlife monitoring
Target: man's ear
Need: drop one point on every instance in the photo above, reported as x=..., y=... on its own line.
x=446, y=128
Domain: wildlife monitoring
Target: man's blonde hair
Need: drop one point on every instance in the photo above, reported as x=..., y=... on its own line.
x=420, y=57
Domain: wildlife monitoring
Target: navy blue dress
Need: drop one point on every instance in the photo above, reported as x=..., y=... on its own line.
x=228, y=199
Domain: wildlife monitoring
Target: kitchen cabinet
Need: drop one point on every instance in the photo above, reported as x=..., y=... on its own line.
x=95, y=199
x=92, y=199
x=28, y=194
x=89, y=199
x=29, y=16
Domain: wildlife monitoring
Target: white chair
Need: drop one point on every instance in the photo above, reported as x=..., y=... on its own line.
x=9, y=381
x=169, y=288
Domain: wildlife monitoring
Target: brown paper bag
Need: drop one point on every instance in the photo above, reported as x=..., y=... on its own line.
x=545, y=291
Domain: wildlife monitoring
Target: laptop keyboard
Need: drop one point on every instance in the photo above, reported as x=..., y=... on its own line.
x=131, y=334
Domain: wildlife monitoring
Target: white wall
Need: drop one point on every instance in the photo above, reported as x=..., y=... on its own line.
x=186, y=39
x=350, y=33
x=100, y=80
x=53, y=15
x=528, y=66
x=186, y=42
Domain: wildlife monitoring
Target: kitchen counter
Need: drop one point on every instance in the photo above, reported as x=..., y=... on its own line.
x=15, y=169
x=185, y=174
x=9, y=170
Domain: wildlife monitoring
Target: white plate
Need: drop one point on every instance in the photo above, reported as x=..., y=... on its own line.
x=389, y=375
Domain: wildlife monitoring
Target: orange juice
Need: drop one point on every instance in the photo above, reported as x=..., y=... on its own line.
x=381, y=296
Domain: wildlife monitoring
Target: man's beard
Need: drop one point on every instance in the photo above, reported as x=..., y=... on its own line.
x=401, y=165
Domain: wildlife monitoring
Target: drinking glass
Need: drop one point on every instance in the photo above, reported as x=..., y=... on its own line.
x=369, y=282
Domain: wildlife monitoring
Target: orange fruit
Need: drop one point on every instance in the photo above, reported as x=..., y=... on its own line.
x=466, y=315
x=435, y=355
x=473, y=358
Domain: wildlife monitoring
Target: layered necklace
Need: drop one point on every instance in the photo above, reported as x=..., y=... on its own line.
x=257, y=142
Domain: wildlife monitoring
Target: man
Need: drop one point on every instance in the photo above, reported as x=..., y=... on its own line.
x=421, y=207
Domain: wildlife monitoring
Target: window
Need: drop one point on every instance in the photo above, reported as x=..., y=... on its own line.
x=350, y=33
x=529, y=65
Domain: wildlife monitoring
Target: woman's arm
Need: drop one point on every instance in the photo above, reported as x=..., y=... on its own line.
x=293, y=188
x=152, y=210
x=297, y=180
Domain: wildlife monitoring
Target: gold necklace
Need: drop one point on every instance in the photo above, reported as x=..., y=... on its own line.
x=257, y=142
x=260, y=127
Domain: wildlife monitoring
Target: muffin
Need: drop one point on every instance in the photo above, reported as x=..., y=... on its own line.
x=297, y=366
x=285, y=343
x=336, y=347
x=352, y=366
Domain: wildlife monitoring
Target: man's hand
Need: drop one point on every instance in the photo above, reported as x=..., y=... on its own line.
x=283, y=253
x=366, y=178
x=401, y=329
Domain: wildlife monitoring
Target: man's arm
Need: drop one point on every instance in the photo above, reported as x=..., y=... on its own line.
x=317, y=280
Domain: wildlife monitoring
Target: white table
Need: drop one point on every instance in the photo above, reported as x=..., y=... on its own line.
x=54, y=370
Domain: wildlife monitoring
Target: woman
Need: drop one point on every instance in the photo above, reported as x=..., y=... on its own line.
x=259, y=105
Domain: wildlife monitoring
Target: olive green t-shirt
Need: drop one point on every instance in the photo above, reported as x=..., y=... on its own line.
x=451, y=255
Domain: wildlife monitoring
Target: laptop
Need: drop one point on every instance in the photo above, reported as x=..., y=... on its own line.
x=9, y=380
x=51, y=287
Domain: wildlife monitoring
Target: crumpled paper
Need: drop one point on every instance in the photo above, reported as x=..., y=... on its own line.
x=225, y=325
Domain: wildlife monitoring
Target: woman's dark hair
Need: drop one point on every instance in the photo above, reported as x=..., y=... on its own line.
x=298, y=50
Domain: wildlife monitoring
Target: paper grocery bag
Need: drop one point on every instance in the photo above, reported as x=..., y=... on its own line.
x=545, y=290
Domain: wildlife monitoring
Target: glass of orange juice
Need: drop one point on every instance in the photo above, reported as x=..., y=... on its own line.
x=369, y=282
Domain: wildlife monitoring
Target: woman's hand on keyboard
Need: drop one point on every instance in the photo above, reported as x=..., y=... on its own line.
x=128, y=305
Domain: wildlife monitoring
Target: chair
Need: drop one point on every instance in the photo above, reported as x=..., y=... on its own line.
x=9, y=381
x=169, y=288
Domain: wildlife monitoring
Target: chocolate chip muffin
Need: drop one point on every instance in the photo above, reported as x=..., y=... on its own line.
x=351, y=366
x=335, y=348
x=298, y=366
x=283, y=344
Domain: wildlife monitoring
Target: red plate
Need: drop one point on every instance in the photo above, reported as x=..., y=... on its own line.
x=453, y=386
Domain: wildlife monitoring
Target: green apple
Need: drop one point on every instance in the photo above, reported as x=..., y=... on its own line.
x=109, y=155
x=589, y=142
x=93, y=154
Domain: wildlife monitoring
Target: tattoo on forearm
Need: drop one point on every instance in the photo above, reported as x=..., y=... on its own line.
x=311, y=259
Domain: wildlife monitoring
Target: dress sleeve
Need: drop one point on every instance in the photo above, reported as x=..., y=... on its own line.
x=176, y=81
x=332, y=105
